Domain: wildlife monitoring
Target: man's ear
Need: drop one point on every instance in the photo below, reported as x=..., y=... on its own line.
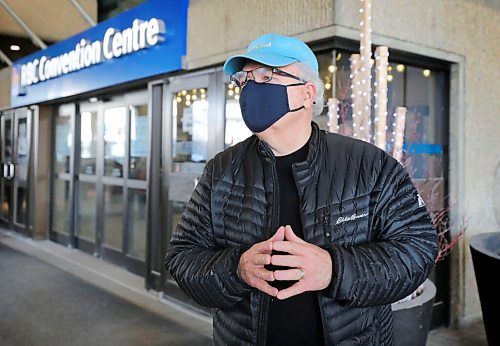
x=310, y=95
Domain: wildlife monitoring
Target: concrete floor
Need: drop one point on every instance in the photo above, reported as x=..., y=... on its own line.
x=43, y=305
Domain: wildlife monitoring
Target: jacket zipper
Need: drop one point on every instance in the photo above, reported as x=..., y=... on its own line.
x=264, y=302
x=302, y=222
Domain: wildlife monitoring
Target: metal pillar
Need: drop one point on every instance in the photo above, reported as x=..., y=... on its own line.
x=82, y=11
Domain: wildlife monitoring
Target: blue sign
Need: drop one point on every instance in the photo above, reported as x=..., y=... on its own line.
x=147, y=40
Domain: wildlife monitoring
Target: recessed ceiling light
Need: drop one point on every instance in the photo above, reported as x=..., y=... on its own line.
x=14, y=47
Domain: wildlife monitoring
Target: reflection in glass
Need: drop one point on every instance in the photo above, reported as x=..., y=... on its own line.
x=420, y=90
x=22, y=206
x=62, y=207
x=113, y=216
x=87, y=211
x=137, y=223
x=63, y=143
x=6, y=197
x=139, y=139
x=88, y=142
x=190, y=130
x=115, y=122
x=8, y=141
x=176, y=209
x=236, y=130
x=189, y=146
x=22, y=150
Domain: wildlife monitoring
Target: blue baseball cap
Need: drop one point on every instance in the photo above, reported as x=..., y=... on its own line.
x=273, y=50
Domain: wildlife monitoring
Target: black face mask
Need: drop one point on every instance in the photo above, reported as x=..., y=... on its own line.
x=263, y=104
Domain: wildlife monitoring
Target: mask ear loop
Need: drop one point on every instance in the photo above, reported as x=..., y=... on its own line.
x=296, y=109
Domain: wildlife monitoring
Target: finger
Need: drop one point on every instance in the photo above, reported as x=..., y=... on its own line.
x=264, y=274
x=265, y=247
x=290, y=235
x=288, y=275
x=291, y=291
x=263, y=286
x=279, y=235
x=286, y=260
x=290, y=247
x=261, y=259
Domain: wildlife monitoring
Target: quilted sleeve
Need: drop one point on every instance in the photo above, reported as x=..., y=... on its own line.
x=206, y=273
x=401, y=254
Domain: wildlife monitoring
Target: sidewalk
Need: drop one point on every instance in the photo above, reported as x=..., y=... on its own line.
x=471, y=335
x=42, y=305
x=53, y=295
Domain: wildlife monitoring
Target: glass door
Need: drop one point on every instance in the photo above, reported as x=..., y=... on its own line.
x=62, y=215
x=110, y=184
x=189, y=140
x=86, y=186
x=189, y=145
x=21, y=169
x=7, y=173
x=15, y=163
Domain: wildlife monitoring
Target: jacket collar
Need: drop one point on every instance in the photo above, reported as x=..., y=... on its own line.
x=316, y=148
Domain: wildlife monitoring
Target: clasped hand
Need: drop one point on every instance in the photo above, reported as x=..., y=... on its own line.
x=309, y=264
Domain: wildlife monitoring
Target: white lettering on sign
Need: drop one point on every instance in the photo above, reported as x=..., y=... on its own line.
x=115, y=43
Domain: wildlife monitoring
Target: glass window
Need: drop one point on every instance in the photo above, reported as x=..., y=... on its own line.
x=64, y=143
x=115, y=125
x=61, y=207
x=7, y=154
x=22, y=154
x=189, y=147
x=421, y=90
x=88, y=142
x=236, y=130
x=87, y=211
x=190, y=131
x=6, y=198
x=137, y=223
x=113, y=216
x=139, y=141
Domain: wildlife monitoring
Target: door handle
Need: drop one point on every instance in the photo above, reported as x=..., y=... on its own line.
x=12, y=170
x=5, y=170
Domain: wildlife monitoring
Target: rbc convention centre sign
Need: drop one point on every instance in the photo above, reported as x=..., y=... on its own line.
x=148, y=40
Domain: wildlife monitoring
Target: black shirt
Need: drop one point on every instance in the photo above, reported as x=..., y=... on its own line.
x=296, y=320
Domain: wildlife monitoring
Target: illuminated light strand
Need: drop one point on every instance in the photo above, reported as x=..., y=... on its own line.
x=356, y=93
x=365, y=72
x=399, y=133
x=333, y=115
x=381, y=58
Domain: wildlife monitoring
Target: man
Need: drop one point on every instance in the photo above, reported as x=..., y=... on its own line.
x=296, y=236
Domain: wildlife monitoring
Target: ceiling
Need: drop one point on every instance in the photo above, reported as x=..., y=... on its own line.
x=50, y=20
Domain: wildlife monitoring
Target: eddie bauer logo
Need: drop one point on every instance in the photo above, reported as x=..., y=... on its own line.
x=421, y=202
x=350, y=218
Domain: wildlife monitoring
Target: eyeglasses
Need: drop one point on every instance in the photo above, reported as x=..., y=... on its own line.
x=260, y=75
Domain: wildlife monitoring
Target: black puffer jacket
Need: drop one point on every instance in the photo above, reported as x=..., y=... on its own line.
x=356, y=201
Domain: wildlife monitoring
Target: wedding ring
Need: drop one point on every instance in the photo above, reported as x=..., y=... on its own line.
x=301, y=274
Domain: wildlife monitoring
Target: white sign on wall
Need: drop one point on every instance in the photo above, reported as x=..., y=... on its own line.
x=140, y=35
